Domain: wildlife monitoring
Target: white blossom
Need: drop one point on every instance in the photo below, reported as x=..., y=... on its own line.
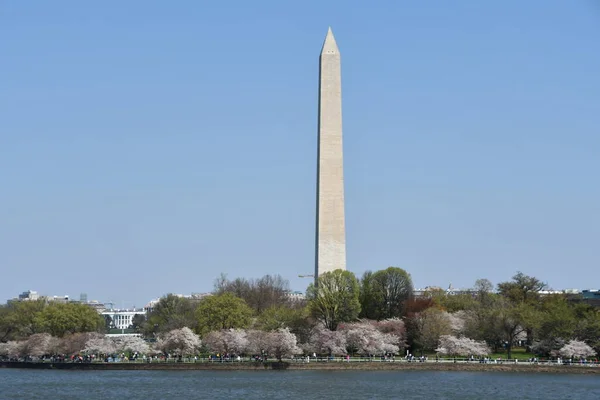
x=395, y=330
x=37, y=345
x=576, y=348
x=179, y=341
x=10, y=349
x=282, y=343
x=258, y=342
x=325, y=341
x=457, y=321
x=364, y=338
x=100, y=344
x=133, y=344
x=521, y=334
x=462, y=346
x=227, y=341
x=74, y=343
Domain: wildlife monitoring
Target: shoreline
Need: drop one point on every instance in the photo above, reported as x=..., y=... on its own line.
x=315, y=366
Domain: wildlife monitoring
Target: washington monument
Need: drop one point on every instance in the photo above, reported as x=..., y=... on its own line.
x=331, y=229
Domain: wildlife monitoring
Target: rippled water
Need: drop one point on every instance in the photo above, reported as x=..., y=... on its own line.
x=150, y=385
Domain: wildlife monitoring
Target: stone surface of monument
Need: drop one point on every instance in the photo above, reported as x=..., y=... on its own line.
x=331, y=227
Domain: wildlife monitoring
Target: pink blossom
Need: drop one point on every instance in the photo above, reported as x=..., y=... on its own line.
x=576, y=348
x=364, y=338
x=10, y=349
x=325, y=341
x=280, y=343
x=100, y=344
x=133, y=344
x=227, y=341
x=179, y=341
x=462, y=346
x=37, y=345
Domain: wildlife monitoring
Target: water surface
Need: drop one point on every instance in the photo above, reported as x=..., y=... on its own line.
x=150, y=385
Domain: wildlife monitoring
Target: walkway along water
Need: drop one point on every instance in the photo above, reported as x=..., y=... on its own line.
x=318, y=364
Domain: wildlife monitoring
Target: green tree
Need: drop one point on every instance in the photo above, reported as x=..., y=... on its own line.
x=483, y=286
x=385, y=293
x=522, y=288
x=587, y=324
x=501, y=323
x=557, y=324
x=18, y=319
x=60, y=319
x=430, y=325
x=108, y=323
x=369, y=302
x=222, y=311
x=455, y=302
x=335, y=298
x=171, y=312
x=515, y=319
x=282, y=316
x=259, y=294
x=523, y=294
x=137, y=322
x=557, y=318
x=482, y=322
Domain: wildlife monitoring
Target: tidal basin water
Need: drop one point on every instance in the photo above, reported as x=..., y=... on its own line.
x=150, y=385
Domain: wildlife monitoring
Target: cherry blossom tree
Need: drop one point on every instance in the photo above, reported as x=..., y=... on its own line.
x=258, y=342
x=462, y=346
x=576, y=348
x=324, y=341
x=75, y=343
x=282, y=343
x=132, y=344
x=394, y=327
x=227, y=341
x=10, y=349
x=364, y=338
x=100, y=344
x=179, y=341
x=37, y=345
x=457, y=321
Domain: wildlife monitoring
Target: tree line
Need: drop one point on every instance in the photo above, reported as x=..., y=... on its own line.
x=19, y=320
x=342, y=314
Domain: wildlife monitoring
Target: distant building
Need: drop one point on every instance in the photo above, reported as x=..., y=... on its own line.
x=32, y=295
x=149, y=307
x=194, y=296
x=549, y=292
x=96, y=305
x=59, y=299
x=428, y=291
x=591, y=294
x=29, y=295
x=295, y=296
x=122, y=319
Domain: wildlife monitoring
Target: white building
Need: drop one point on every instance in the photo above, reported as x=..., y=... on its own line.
x=295, y=296
x=29, y=295
x=149, y=307
x=122, y=319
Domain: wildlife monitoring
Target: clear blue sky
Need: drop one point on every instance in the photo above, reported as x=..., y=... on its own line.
x=148, y=146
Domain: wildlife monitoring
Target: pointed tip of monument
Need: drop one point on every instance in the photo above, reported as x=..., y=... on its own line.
x=330, y=46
